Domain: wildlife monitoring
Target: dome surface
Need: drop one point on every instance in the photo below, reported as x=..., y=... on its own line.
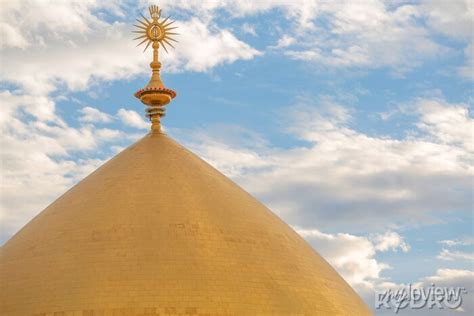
x=158, y=231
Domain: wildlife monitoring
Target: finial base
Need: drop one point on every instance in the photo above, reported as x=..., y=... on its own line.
x=155, y=95
x=155, y=100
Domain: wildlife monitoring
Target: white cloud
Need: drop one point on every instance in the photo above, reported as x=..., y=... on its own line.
x=458, y=242
x=109, y=134
x=302, y=12
x=40, y=107
x=284, y=41
x=27, y=21
x=452, y=18
x=90, y=114
x=217, y=145
x=11, y=37
x=38, y=164
x=390, y=241
x=451, y=276
x=463, y=253
x=132, y=118
x=77, y=62
x=350, y=180
x=443, y=278
x=368, y=34
x=447, y=124
x=451, y=255
x=352, y=256
x=199, y=40
x=249, y=29
x=74, y=45
x=372, y=33
x=467, y=70
x=365, y=34
x=38, y=156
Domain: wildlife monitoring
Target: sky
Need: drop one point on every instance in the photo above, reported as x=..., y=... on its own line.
x=351, y=120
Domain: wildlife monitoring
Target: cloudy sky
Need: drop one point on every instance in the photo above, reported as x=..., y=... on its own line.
x=351, y=120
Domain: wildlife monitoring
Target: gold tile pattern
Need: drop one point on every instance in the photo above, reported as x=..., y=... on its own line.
x=157, y=231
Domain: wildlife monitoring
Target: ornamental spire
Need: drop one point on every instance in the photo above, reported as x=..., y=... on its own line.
x=155, y=32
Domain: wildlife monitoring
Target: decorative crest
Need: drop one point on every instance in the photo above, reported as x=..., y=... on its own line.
x=155, y=95
x=155, y=12
x=155, y=31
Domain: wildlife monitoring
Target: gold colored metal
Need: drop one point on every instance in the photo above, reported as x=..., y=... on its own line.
x=155, y=32
x=158, y=231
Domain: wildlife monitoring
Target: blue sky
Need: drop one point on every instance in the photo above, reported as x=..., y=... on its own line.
x=351, y=120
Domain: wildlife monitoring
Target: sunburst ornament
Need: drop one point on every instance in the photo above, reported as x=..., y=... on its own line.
x=155, y=95
x=155, y=31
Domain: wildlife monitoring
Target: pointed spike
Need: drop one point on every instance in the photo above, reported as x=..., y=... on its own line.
x=147, y=46
x=143, y=23
x=171, y=39
x=142, y=36
x=140, y=32
x=146, y=39
x=172, y=33
x=170, y=28
x=169, y=23
x=145, y=18
x=166, y=41
x=163, y=44
x=163, y=22
x=141, y=27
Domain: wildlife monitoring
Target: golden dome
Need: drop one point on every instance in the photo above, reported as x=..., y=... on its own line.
x=157, y=231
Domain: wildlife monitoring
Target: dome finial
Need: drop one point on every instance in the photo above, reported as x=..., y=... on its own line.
x=155, y=95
